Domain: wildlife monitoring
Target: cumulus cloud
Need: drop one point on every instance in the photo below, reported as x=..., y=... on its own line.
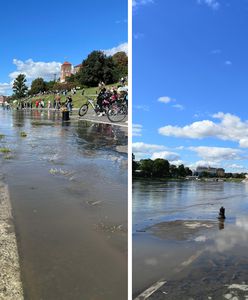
x=153, y=151
x=136, y=129
x=213, y=4
x=136, y=3
x=147, y=148
x=218, y=154
x=178, y=106
x=5, y=88
x=34, y=69
x=216, y=51
x=120, y=48
x=228, y=63
x=171, y=156
x=142, y=107
x=165, y=99
x=229, y=128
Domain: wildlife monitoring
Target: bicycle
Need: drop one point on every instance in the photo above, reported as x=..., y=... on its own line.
x=117, y=111
x=84, y=108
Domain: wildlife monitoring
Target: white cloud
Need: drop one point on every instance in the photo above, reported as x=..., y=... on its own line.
x=5, y=88
x=218, y=154
x=147, y=148
x=216, y=51
x=178, y=106
x=228, y=63
x=142, y=107
x=171, y=156
x=153, y=151
x=120, y=48
x=230, y=128
x=165, y=99
x=138, y=35
x=33, y=69
x=213, y=4
x=136, y=3
x=137, y=129
x=241, y=168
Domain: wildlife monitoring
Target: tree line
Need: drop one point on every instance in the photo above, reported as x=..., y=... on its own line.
x=158, y=168
x=97, y=67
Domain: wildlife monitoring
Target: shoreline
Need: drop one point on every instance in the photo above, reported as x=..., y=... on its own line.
x=10, y=276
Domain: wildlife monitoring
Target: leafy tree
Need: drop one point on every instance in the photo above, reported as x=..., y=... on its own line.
x=181, y=171
x=19, y=86
x=146, y=166
x=188, y=171
x=38, y=85
x=161, y=168
x=120, y=60
x=95, y=68
x=173, y=171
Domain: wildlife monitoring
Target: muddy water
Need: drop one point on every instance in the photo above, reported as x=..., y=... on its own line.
x=178, y=238
x=68, y=189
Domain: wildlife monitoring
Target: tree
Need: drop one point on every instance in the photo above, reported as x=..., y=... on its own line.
x=188, y=171
x=38, y=85
x=181, y=171
x=173, y=171
x=146, y=166
x=19, y=86
x=161, y=168
x=96, y=67
x=120, y=60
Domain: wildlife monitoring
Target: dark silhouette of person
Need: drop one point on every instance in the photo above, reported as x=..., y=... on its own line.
x=222, y=213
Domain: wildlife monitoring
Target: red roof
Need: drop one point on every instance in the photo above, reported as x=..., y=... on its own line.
x=66, y=63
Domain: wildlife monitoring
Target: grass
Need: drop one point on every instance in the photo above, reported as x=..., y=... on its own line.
x=1, y=136
x=5, y=150
x=78, y=99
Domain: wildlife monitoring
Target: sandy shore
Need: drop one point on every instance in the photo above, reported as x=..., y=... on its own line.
x=10, y=280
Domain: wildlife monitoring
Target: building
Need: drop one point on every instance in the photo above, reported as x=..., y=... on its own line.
x=218, y=172
x=77, y=68
x=66, y=71
x=2, y=99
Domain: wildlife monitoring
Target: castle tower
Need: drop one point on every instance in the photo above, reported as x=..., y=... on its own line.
x=66, y=71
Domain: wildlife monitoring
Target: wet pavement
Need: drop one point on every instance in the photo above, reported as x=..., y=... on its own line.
x=178, y=240
x=68, y=190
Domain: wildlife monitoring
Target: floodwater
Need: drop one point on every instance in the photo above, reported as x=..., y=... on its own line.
x=177, y=238
x=68, y=190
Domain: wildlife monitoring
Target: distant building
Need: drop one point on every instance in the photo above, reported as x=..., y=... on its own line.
x=2, y=99
x=66, y=71
x=77, y=68
x=219, y=172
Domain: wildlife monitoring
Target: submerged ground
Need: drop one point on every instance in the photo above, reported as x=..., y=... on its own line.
x=178, y=240
x=68, y=190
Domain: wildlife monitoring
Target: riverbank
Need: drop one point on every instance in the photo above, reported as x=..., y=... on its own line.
x=10, y=279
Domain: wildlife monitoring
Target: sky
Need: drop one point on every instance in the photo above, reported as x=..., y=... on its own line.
x=37, y=37
x=190, y=82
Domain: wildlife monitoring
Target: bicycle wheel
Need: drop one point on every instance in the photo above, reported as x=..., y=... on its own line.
x=83, y=110
x=117, y=112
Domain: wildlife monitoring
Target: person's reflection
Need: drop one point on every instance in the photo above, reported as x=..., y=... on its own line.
x=221, y=224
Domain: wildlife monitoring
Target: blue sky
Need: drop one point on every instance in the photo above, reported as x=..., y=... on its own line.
x=190, y=82
x=36, y=37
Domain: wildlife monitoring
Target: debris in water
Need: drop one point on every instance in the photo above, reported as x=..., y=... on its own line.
x=23, y=134
x=93, y=203
x=59, y=172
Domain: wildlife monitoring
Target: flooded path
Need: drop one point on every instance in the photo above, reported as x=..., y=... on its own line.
x=68, y=190
x=177, y=239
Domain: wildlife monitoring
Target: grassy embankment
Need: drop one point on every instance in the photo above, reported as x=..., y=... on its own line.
x=78, y=98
